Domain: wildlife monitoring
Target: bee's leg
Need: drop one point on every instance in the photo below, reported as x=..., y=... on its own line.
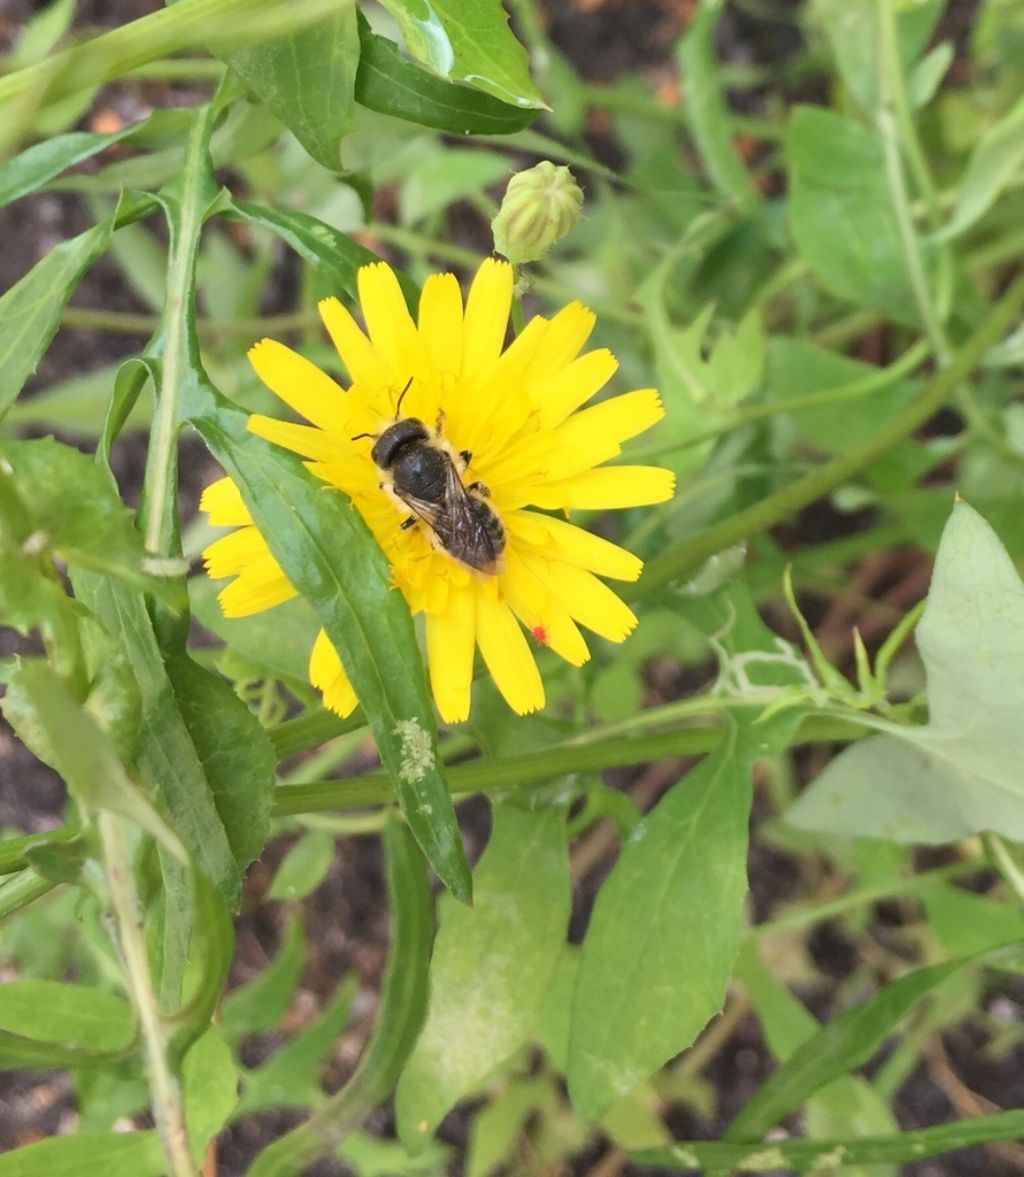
x=439, y=424
x=466, y=456
x=407, y=523
x=480, y=489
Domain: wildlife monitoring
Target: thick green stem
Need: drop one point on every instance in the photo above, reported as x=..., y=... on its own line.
x=163, y=1084
x=687, y=557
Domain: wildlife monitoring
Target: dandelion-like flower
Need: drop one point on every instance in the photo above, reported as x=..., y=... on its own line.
x=512, y=430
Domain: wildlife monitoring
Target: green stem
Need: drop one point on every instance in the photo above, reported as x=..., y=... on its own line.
x=687, y=557
x=168, y=1112
x=24, y=888
x=130, y=323
x=1004, y=861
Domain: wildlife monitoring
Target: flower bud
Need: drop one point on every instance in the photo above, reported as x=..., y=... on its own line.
x=541, y=205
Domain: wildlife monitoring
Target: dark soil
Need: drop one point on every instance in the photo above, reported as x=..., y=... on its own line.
x=346, y=919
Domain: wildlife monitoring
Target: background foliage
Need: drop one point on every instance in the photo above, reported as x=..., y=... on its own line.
x=225, y=957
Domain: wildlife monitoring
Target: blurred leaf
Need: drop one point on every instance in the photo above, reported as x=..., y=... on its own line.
x=927, y=75
x=468, y=41
x=670, y=946
x=841, y=214
x=30, y=310
x=966, y=923
x=307, y=78
x=400, y=1016
x=42, y=161
x=304, y=867
x=234, y=751
x=75, y=407
x=210, y=1088
x=279, y=639
x=108, y=1154
x=845, y=1108
x=446, y=176
x=48, y=1023
x=847, y=1041
x=40, y=34
x=492, y=966
x=706, y=113
x=960, y=773
x=853, y=35
x=494, y=1130
x=995, y=161
x=260, y=1004
x=334, y=562
x=321, y=245
x=390, y=84
x=77, y=514
x=369, y=1156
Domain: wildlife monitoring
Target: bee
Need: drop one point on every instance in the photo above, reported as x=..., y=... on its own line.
x=425, y=475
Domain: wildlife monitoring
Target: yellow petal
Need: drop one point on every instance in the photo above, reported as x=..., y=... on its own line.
x=440, y=322
x=261, y=585
x=487, y=311
x=451, y=637
x=363, y=362
x=573, y=545
x=508, y=657
x=388, y=320
x=232, y=553
x=546, y=619
x=222, y=501
x=567, y=332
x=300, y=384
x=328, y=676
x=595, y=435
x=573, y=385
x=591, y=602
x=300, y=439
x=607, y=488
x=352, y=475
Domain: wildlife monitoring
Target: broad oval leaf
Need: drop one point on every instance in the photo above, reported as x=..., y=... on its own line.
x=84, y=1154
x=959, y=774
x=390, y=84
x=307, y=78
x=492, y=968
x=48, y=1023
x=468, y=41
x=210, y=1088
x=665, y=928
x=841, y=214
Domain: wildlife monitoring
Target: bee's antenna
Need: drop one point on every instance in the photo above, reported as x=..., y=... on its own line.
x=401, y=395
x=360, y=436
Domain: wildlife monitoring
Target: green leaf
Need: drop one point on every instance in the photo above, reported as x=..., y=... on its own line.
x=210, y=1087
x=262, y=1003
x=390, y=84
x=329, y=555
x=400, y=1016
x=108, y=1154
x=847, y=1041
x=291, y=1076
x=304, y=867
x=841, y=214
x=705, y=109
x=817, y=1156
x=853, y=35
x=278, y=640
x=307, y=78
x=495, y=1129
x=444, y=176
x=87, y=760
x=493, y=964
x=996, y=159
x=370, y=1156
x=77, y=514
x=468, y=41
x=41, y=162
x=48, y=1023
x=960, y=773
x=966, y=923
x=321, y=245
x=665, y=928
x=235, y=753
x=76, y=406
x=168, y=760
x=30, y=311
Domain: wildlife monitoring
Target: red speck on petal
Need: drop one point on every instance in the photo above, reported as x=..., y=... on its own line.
x=541, y=634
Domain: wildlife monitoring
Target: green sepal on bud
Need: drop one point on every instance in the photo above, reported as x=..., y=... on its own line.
x=540, y=207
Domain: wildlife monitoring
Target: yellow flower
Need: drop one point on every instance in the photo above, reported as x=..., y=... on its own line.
x=509, y=419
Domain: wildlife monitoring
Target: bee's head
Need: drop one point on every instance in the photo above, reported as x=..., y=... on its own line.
x=396, y=438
